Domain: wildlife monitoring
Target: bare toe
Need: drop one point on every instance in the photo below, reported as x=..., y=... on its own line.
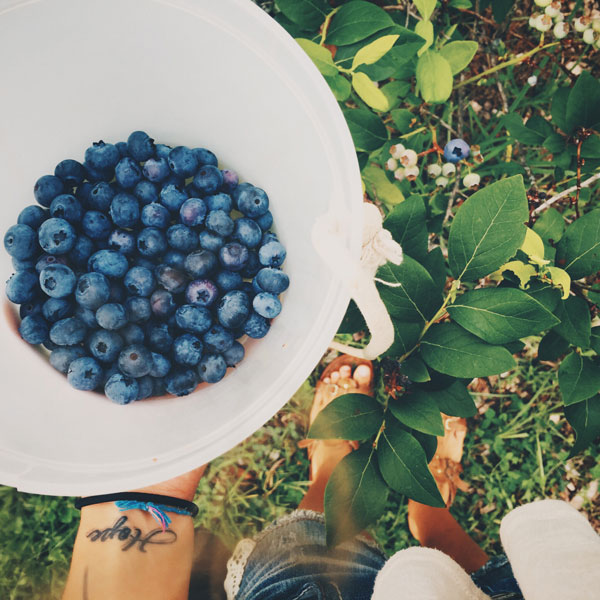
x=345, y=372
x=335, y=376
x=362, y=375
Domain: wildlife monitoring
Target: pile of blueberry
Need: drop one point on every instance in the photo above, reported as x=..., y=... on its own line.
x=141, y=267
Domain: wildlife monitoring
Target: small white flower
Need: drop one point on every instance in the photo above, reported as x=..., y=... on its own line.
x=441, y=182
x=409, y=158
x=543, y=3
x=596, y=24
x=396, y=150
x=434, y=170
x=544, y=23
x=391, y=164
x=559, y=17
x=448, y=169
x=532, y=80
x=589, y=36
x=399, y=174
x=471, y=180
x=553, y=10
x=561, y=30
x=533, y=20
x=580, y=24
x=411, y=172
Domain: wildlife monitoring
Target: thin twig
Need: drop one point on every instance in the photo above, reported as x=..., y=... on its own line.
x=440, y=121
x=551, y=201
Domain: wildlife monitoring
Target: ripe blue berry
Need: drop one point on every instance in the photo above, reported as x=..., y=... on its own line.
x=456, y=150
x=111, y=316
x=57, y=281
x=271, y=254
x=181, y=382
x=140, y=146
x=62, y=357
x=205, y=157
x=202, y=292
x=159, y=338
x=84, y=374
x=234, y=355
x=96, y=225
x=219, y=202
x=200, y=263
x=233, y=309
x=162, y=150
x=162, y=303
x=105, y=346
x=122, y=241
x=146, y=192
x=266, y=305
x=101, y=156
x=171, y=279
x=108, y=262
x=33, y=329
x=70, y=171
x=272, y=280
x=233, y=256
x=161, y=365
x=230, y=180
x=135, y=360
x=155, y=215
x=182, y=238
x=124, y=210
x=192, y=318
x=92, y=290
x=33, y=216
x=192, y=212
x=265, y=221
x=219, y=222
x=132, y=333
x=255, y=326
x=173, y=197
x=47, y=188
x=208, y=180
x=228, y=280
x=22, y=287
x=187, y=350
x=127, y=173
x=183, y=161
x=151, y=242
x=156, y=169
x=100, y=196
x=212, y=368
x=81, y=251
x=121, y=389
x=21, y=242
x=210, y=240
x=247, y=232
x=218, y=339
x=253, y=202
x=174, y=258
x=68, y=332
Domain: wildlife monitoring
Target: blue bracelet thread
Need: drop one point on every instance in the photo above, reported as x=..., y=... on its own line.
x=158, y=511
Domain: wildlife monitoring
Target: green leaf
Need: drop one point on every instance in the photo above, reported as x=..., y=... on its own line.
x=307, y=13
x=425, y=7
x=459, y=54
x=575, y=325
x=339, y=85
x=488, y=229
x=404, y=467
x=428, y=443
x=595, y=339
x=555, y=143
x=550, y=226
x=348, y=417
x=514, y=123
x=578, y=378
x=415, y=297
x=380, y=187
x=578, y=251
x=540, y=125
x=584, y=417
x=436, y=266
x=500, y=8
x=355, y=495
x=368, y=131
x=374, y=51
x=415, y=369
x=583, y=103
x=407, y=224
x=454, y=400
x=559, y=108
x=424, y=29
x=419, y=411
x=552, y=346
x=501, y=315
x=402, y=119
x=395, y=90
x=320, y=55
x=547, y=295
x=355, y=21
x=434, y=77
x=591, y=147
x=369, y=93
x=406, y=335
x=397, y=63
x=450, y=349
x=353, y=320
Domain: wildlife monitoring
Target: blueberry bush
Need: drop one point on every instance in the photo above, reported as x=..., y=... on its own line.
x=496, y=211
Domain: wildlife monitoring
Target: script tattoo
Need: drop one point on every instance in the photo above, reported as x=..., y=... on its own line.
x=132, y=536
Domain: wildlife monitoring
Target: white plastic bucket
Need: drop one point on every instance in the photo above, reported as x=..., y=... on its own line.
x=214, y=73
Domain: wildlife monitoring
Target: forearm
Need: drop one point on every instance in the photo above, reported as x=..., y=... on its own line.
x=125, y=555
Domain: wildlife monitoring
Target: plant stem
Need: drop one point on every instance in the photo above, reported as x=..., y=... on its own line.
x=326, y=25
x=551, y=201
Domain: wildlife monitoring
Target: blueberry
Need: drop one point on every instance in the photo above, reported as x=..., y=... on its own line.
x=70, y=171
x=234, y=355
x=124, y=210
x=96, y=175
x=187, y=350
x=68, y=332
x=122, y=241
x=23, y=265
x=218, y=339
x=156, y=169
x=253, y=202
x=82, y=250
x=155, y=215
x=21, y=242
x=264, y=221
x=151, y=242
x=140, y=281
x=162, y=150
x=159, y=338
x=271, y=254
x=144, y=262
x=161, y=365
x=219, y=202
x=267, y=237
x=101, y=196
x=33, y=216
x=101, y=156
x=192, y=212
x=219, y=222
x=247, y=232
x=121, y=389
x=456, y=150
x=122, y=148
x=117, y=293
x=47, y=259
x=160, y=386
x=145, y=192
x=33, y=329
x=178, y=182
x=182, y=161
x=62, y=357
x=212, y=368
x=230, y=179
x=194, y=319
x=56, y=236
x=163, y=305
x=105, y=346
x=46, y=188
x=248, y=288
x=202, y=292
x=181, y=382
x=233, y=256
x=174, y=258
x=57, y=281
x=140, y=146
x=127, y=173
x=86, y=315
x=237, y=192
x=266, y=305
x=30, y=308
x=22, y=287
x=135, y=360
x=96, y=225
x=255, y=326
x=84, y=374
x=146, y=387
x=83, y=192
x=111, y=316
x=171, y=279
x=233, y=309
x=272, y=280
x=51, y=346
x=132, y=333
x=205, y=157
x=200, y=263
x=210, y=241
x=228, y=280
x=108, y=262
x=208, y=180
x=173, y=197
x=182, y=238
x=92, y=290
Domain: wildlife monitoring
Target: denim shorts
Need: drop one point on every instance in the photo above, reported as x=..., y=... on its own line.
x=290, y=560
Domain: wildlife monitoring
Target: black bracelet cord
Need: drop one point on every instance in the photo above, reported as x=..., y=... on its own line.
x=140, y=497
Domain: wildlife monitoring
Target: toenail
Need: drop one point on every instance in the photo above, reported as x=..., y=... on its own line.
x=326, y=380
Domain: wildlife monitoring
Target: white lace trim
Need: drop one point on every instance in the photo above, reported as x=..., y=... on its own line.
x=236, y=565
